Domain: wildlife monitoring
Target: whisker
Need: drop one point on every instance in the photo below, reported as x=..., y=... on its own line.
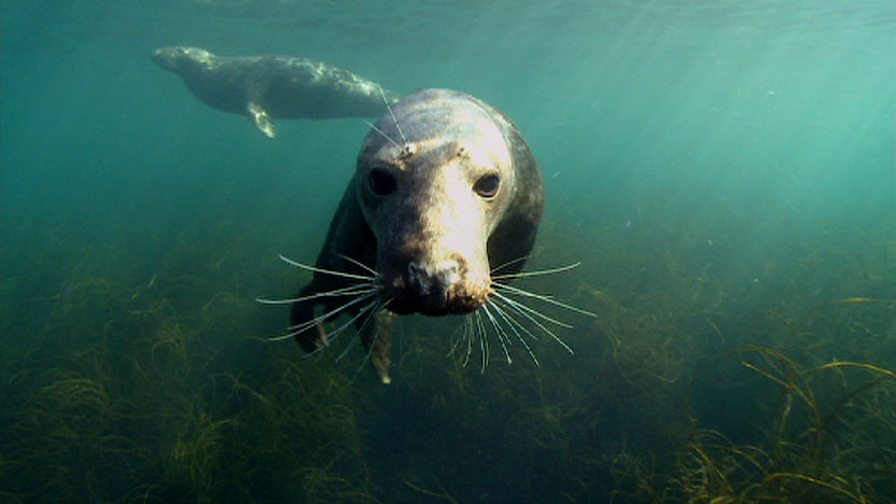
x=523, y=274
x=521, y=306
x=510, y=321
x=345, y=291
x=352, y=342
x=376, y=336
x=483, y=341
x=359, y=263
x=456, y=341
x=547, y=299
x=505, y=307
x=332, y=335
x=522, y=309
x=287, y=336
x=383, y=133
x=304, y=326
x=509, y=263
x=370, y=315
x=499, y=331
x=468, y=335
x=325, y=271
x=298, y=328
x=388, y=106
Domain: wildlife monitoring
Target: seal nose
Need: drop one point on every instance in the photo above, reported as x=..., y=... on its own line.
x=430, y=284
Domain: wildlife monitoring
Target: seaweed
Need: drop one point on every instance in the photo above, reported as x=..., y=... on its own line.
x=152, y=380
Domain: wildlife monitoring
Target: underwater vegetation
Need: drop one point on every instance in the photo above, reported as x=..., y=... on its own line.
x=153, y=382
x=129, y=394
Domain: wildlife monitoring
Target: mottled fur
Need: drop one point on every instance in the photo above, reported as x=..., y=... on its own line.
x=434, y=240
x=269, y=87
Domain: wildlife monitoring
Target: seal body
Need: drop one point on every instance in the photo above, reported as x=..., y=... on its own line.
x=269, y=87
x=445, y=190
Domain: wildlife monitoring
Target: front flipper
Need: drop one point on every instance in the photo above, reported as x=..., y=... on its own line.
x=301, y=315
x=378, y=344
x=262, y=119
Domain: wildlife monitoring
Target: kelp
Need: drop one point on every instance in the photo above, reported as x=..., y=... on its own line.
x=809, y=452
x=698, y=381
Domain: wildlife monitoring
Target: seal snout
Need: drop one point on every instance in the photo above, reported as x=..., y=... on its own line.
x=176, y=59
x=430, y=286
x=165, y=57
x=433, y=289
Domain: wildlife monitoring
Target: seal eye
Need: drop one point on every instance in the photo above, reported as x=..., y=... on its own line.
x=487, y=185
x=382, y=183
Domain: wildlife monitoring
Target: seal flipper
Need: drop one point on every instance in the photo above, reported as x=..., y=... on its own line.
x=303, y=312
x=378, y=344
x=262, y=119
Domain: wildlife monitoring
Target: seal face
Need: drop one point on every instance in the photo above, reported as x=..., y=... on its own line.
x=268, y=87
x=433, y=198
x=445, y=190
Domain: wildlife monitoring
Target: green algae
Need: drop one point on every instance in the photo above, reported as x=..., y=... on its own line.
x=157, y=385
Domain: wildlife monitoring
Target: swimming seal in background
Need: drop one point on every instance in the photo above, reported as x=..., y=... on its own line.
x=445, y=190
x=268, y=87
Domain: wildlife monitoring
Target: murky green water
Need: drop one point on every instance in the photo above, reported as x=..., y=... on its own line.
x=724, y=171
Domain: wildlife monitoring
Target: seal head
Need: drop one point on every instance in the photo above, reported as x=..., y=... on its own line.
x=183, y=59
x=433, y=184
x=445, y=190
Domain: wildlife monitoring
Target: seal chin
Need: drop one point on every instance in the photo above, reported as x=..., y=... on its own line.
x=433, y=298
x=165, y=58
x=434, y=306
x=176, y=59
x=435, y=288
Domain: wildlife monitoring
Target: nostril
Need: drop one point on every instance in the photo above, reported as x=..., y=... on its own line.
x=418, y=279
x=449, y=273
x=430, y=284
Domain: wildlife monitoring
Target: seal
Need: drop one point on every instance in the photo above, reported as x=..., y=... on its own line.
x=269, y=87
x=445, y=189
